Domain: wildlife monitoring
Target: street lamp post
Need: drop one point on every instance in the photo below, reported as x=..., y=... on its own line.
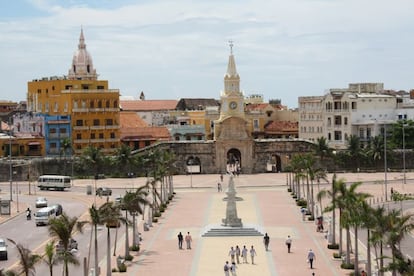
x=10, y=161
x=403, y=141
x=385, y=162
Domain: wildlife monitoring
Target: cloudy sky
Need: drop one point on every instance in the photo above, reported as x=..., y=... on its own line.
x=174, y=49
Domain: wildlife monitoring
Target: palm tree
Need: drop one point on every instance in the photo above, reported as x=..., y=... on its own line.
x=322, y=148
x=398, y=227
x=354, y=150
x=95, y=220
x=62, y=228
x=50, y=259
x=27, y=259
x=333, y=194
x=92, y=158
x=66, y=146
x=110, y=215
x=124, y=159
x=134, y=203
x=378, y=231
x=355, y=202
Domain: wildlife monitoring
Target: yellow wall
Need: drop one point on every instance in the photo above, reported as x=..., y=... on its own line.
x=94, y=109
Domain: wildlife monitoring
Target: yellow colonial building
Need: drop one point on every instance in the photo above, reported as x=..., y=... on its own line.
x=90, y=107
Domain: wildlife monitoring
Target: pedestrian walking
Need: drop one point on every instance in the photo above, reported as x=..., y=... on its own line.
x=232, y=254
x=266, y=241
x=244, y=254
x=221, y=177
x=363, y=273
x=219, y=187
x=238, y=254
x=311, y=258
x=227, y=269
x=180, y=240
x=233, y=269
x=288, y=243
x=252, y=253
x=188, y=240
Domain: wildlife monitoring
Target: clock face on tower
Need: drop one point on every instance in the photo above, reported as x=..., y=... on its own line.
x=233, y=105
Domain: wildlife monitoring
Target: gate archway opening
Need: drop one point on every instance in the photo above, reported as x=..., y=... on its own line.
x=234, y=162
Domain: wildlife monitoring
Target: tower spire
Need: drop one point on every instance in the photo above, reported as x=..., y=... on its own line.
x=231, y=46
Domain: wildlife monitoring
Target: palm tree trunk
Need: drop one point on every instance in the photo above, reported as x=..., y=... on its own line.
x=348, y=249
x=134, y=231
x=96, y=249
x=108, y=253
x=126, y=235
x=368, y=252
x=356, y=261
x=381, y=259
x=340, y=233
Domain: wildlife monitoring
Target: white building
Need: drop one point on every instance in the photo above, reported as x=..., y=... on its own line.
x=362, y=109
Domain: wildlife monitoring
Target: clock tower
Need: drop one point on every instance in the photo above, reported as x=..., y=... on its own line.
x=232, y=100
x=233, y=141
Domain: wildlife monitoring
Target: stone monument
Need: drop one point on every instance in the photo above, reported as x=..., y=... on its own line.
x=231, y=210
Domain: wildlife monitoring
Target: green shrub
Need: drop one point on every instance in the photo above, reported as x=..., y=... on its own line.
x=129, y=257
x=122, y=268
x=134, y=248
x=114, y=270
x=301, y=202
x=289, y=190
x=336, y=255
x=333, y=246
x=154, y=220
x=311, y=218
x=162, y=209
x=347, y=266
x=157, y=214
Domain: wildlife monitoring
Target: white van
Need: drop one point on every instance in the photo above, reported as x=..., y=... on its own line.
x=43, y=215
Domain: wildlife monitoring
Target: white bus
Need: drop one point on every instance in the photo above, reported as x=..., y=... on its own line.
x=56, y=182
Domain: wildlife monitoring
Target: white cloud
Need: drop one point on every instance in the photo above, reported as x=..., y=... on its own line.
x=283, y=49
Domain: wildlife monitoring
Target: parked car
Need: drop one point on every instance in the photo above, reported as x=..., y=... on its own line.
x=103, y=191
x=58, y=209
x=73, y=245
x=41, y=202
x=3, y=249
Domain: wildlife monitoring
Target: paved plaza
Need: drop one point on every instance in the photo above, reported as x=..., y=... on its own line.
x=265, y=205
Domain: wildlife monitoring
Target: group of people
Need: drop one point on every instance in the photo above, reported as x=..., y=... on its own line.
x=237, y=253
x=188, y=240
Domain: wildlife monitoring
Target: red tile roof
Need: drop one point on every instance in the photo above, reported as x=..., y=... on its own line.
x=148, y=105
x=282, y=126
x=130, y=119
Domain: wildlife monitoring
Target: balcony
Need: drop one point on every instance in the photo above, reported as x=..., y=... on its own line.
x=81, y=141
x=80, y=128
x=112, y=127
x=58, y=135
x=80, y=109
x=97, y=127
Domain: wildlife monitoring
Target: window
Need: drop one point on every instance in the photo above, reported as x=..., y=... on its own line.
x=369, y=133
x=52, y=130
x=329, y=121
x=346, y=121
x=99, y=104
x=62, y=130
x=337, y=105
x=112, y=135
x=361, y=133
x=78, y=136
x=52, y=145
x=101, y=136
x=354, y=105
x=255, y=124
x=92, y=104
x=338, y=135
x=92, y=135
x=107, y=103
x=338, y=120
x=79, y=123
x=109, y=122
x=96, y=122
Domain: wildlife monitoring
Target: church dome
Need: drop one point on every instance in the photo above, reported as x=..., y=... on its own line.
x=82, y=65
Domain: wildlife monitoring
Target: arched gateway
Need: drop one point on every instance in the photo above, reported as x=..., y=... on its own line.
x=233, y=145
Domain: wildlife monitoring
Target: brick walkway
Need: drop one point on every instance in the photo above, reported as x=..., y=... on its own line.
x=266, y=205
